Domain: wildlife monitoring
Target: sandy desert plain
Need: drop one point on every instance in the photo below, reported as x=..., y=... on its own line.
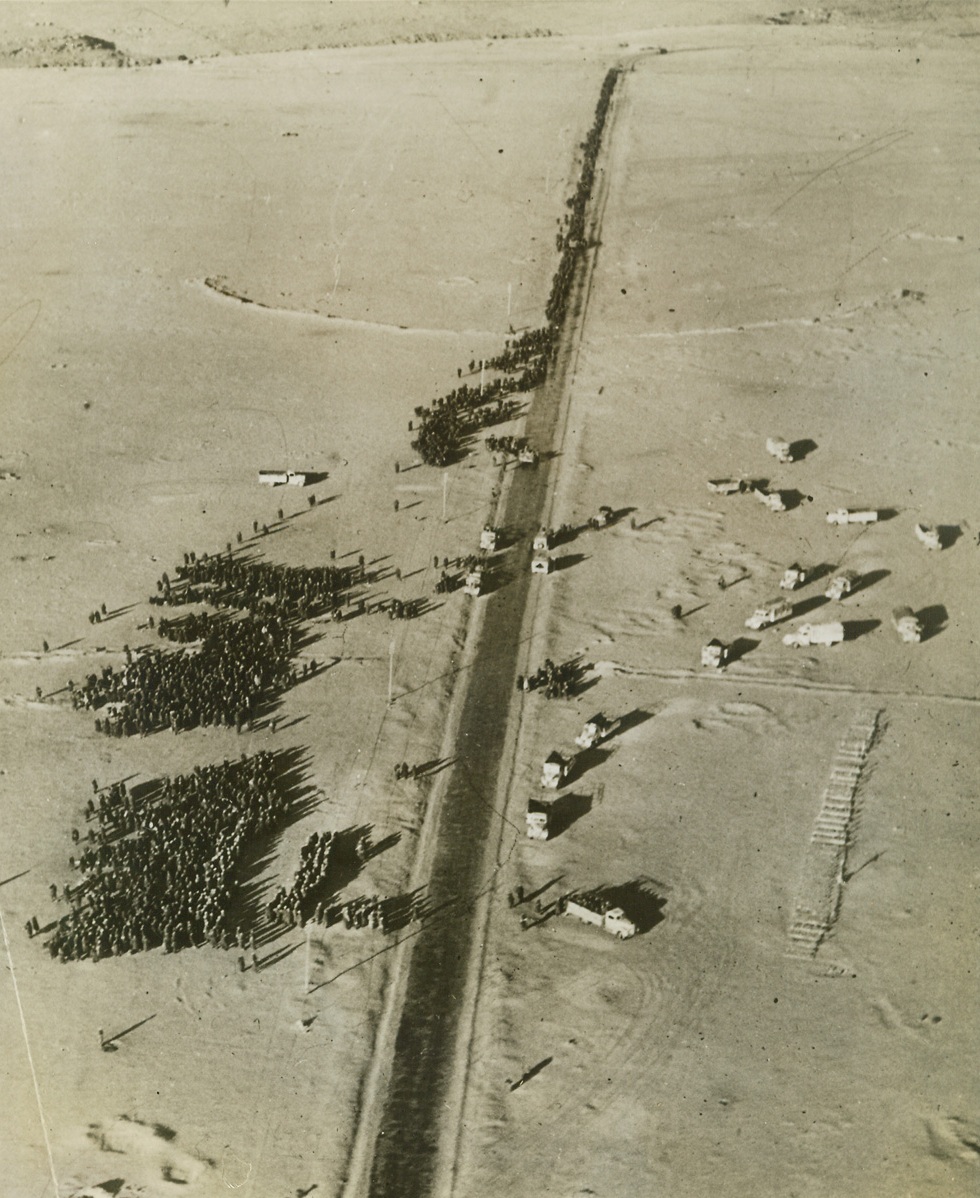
x=785, y=244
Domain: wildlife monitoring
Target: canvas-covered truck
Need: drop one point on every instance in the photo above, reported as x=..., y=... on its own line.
x=779, y=449
x=928, y=534
x=473, y=583
x=726, y=486
x=846, y=515
x=539, y=819
x=828, y=634
x=489, y=538
x=714, y=655
x=594, y=730
x=773, y=500
x=770, y=612
x=541, y=563
x=282, y=478
x=594, y=909
x=842, y=583
x=543, y=541
x=907, y=624
x=554, y=771
x=793, y=576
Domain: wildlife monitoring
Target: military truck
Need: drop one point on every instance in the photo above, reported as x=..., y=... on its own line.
x=770, y=612
x=907, y=624
x=841, y=584
x=593, y=909
x=844, y=515
x=815, y=634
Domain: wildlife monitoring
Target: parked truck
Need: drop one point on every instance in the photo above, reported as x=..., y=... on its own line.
x=928, y=534
x=770, y=612
x=815, y=634
x=595, y=730
x=489, y=538
x=844, y=515
x=593, y=909
x=539, y=819
x=842, y=583
x=907, y=624
x=473, y=583
x=714, y=655
x=772, y=499
x=794, y=576
x=779, y=449
x=554, y=771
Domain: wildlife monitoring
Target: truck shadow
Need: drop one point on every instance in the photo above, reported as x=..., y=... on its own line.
x=586, y=760
x=811, y=603
x=740, y=647
x=853, y=629
x=949, y=534
x=632, y=719
x=567, y=560
x=869, y=580
x=798, y=450
x=933, y=620
x=566, y=810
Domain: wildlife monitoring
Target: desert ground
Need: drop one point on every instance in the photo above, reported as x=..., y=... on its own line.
x=261, y=241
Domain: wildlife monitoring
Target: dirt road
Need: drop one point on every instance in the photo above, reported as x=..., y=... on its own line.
x=426, y=1053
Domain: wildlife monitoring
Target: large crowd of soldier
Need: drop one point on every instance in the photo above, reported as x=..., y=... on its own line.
x=451, y=418
x=236, y=667
x=237, y=663
x=161, y=867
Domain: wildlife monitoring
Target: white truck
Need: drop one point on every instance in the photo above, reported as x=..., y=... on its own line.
x=473, y=583
x=489, y=538
x=779, y=449
x=543, y=541
x=541, y=563
x=726, y=486
x=772, y=499
x=554, y=771
x=714, y=655
x=770, y=612
x=590, y=908
x=844, y=515
x=928, y=534
x=596, y=729
x=539, y=819
x=815, y=634
x=907, y=624
x=842, y=583
x=794, y=576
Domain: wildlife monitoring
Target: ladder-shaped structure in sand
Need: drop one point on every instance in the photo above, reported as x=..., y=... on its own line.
x=820, y=890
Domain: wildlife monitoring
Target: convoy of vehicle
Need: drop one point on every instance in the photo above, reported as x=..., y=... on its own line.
x=592, y=907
